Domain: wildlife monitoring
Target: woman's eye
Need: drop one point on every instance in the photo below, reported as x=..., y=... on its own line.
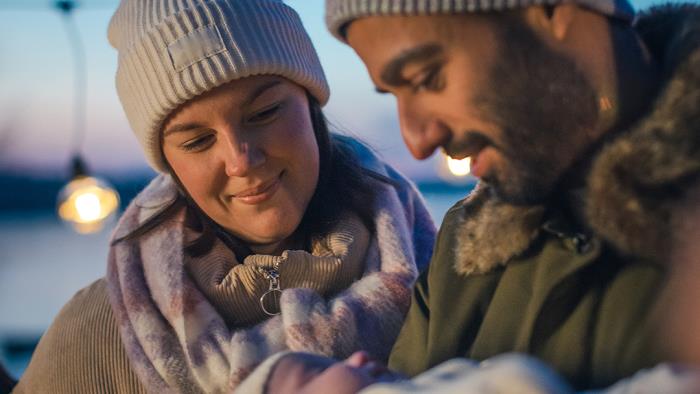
x=199, y=143
x=429, y=80
x=266, y=114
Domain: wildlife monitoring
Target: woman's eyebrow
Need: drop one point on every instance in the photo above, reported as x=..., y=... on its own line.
x=258, y=91
x=392, y=74
x=181, y=127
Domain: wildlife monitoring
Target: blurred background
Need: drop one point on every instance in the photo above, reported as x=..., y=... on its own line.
x=58, y=102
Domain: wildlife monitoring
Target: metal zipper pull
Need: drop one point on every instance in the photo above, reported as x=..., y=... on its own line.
x=273, y=293
x=582, y=243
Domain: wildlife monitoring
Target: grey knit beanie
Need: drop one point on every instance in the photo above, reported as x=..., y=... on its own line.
x=173, y=50
x=341, y=12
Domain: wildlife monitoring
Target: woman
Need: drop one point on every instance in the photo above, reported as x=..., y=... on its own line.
x=262, y=232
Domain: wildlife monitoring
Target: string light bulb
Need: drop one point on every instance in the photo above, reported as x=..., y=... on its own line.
x=453, y=170
x=459, y=167
x=86, y=203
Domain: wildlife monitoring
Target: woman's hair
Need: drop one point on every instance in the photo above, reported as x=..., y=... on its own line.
x=343, y=186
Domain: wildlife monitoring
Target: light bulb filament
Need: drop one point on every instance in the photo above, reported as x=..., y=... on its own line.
x=86, y=202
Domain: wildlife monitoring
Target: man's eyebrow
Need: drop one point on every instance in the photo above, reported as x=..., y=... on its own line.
x=251, y=97
x=392, y=73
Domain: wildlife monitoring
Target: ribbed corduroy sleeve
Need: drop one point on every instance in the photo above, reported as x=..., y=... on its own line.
x=81, y=352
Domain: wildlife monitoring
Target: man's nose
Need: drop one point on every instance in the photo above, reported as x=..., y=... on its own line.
x=241, y=156
x=422, y=131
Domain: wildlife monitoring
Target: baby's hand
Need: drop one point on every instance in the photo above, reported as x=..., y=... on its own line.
x=305, y=373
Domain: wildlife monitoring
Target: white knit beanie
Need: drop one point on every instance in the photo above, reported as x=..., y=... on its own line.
x=339, y=13
x=173, y=50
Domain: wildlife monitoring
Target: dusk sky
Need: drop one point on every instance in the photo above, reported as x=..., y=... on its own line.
x=36, y=91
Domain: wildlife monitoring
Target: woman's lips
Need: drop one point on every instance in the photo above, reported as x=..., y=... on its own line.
x=260, y=193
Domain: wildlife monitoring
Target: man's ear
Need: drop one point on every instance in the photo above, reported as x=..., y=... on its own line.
x=552, y=21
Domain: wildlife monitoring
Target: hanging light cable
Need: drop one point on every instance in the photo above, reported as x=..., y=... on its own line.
x=66, y=8
x=86, y=202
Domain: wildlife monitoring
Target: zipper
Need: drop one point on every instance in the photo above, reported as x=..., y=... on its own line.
x=581, y=242
x=274, y=291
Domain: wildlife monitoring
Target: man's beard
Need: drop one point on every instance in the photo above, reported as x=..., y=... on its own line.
x=544, y=106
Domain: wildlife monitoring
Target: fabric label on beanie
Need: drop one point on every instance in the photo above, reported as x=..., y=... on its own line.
x=197, y=45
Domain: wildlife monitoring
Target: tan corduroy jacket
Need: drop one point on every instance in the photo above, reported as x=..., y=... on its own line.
x=82, y=351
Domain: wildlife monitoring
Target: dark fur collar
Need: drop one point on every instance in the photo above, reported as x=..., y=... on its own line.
x=635, y=180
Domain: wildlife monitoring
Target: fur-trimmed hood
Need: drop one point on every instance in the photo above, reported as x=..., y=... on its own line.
x=636, y=179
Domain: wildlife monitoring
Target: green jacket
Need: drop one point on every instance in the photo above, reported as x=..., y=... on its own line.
x=577, y=290
x=568, y=300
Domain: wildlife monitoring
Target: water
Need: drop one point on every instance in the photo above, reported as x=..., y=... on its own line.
x=43, y=263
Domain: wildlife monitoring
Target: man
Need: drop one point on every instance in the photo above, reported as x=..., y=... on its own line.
x=583, y=125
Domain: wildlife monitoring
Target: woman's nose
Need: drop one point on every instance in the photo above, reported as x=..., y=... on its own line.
x=241, y=157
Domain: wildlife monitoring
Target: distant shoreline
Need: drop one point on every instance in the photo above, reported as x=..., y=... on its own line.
x=29, y=193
